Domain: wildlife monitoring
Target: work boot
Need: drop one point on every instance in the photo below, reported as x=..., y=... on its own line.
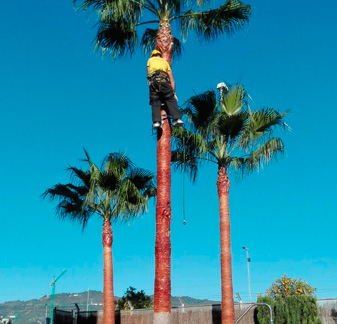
x=177, y=123
x=156, y=125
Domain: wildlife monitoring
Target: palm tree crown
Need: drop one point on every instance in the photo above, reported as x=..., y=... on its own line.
x=119, y=22
x=233, y=137
x=117, y=190
x=227, y=133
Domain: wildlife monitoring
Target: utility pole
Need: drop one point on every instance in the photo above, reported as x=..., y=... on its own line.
x=248, y=260
x=52, y=285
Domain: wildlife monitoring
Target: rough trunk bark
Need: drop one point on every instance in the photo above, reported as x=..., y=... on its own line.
x=108, y=291
x=162, y=288
x=227, y=303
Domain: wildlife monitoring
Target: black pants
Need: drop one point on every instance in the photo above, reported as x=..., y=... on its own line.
x=161, y=92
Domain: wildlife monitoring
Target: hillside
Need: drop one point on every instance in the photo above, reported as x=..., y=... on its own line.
x=34, y=311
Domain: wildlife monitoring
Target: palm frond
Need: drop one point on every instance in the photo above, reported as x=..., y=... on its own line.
x=148, y=41
x=71, y=202
x=116, y=164
x=233, y=102
x=116, y=37
x=232, y=126
x=265, y=119
x=201, y=111
x=261, y=124
x=210, y=24
x=61, y=192
x=115, y=8
x=129, y=201
x=86, y=4
x=79, y=176
x=256, y=159
x=142, y=179
x=232, y=136
x=117, y=190
x=74, y=211
x=189, y=150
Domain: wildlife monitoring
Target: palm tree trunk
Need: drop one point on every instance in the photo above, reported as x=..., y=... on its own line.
x=162, y=286
x=108, y=291
x=227, y=303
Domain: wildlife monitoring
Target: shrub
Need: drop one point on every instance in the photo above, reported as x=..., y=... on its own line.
x=291, y=301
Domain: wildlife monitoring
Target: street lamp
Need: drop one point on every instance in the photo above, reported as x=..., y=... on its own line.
x=248, y=260
x=222, y=87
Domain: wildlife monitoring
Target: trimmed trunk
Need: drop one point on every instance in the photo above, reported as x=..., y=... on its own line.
x=162, y=286
x=227, y=303
x=108, y=291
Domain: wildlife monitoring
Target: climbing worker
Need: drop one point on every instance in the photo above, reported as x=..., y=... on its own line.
x=162, y=89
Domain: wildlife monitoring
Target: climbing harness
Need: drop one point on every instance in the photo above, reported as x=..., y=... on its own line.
x=157, y=78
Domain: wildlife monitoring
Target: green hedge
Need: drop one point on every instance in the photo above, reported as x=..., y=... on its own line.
x=299, y=309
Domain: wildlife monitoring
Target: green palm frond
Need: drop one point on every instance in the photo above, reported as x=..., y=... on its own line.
x=116, y=164
x=129, y=201
x=189, y=151
x=141, y=178
x=75, y=212
x=232, y=126
x=117, y=190
x=233, y=102
x=79, y=176
x=232, y=137
x=71, y=202
x=86, y=4
x=256, y=159
x=148, y=42
x=201, y=111
x=261, y=124
x=210, y=24
x=117, y=37
x=60, y=191
x=264, y=120
x=112, y=8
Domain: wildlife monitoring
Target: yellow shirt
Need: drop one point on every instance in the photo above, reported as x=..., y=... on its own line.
x=156, y=63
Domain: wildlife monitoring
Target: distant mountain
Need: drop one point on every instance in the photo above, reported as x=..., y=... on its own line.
x=34, y=311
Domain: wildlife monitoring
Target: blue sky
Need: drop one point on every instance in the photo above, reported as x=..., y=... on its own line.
x=58, y=96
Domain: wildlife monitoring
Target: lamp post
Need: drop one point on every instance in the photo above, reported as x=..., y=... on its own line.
x=222, y=87
x=52, y=285
x=248, y=260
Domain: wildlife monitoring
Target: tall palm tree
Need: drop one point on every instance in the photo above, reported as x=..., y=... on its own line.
x=119, y=23
x=234, y=138
x=116, y=191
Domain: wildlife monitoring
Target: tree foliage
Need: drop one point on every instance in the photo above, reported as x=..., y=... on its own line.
x=120, y=23
x=115, y=191
x=292, y=302
x=227, y=133
x=138, y=299
x=286, y=286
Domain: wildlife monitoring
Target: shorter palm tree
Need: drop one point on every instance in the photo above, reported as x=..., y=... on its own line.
x=234, y=138
x=116, y=191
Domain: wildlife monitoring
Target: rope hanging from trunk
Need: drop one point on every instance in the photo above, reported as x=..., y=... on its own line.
x=184, y=222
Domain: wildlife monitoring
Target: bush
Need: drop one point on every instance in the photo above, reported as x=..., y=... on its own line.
x=286, y=286
x=137, y=299
x=291, y=302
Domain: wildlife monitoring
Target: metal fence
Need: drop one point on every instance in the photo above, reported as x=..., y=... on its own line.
x=206, y=314
x=64, y=317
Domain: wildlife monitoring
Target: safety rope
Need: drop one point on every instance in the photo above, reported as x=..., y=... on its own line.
x=184, y=216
